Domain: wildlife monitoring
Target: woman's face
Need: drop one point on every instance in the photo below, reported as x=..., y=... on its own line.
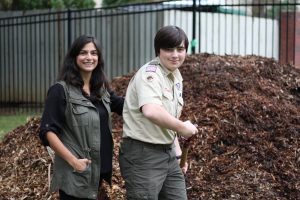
x=87, y=58
x=172, y=58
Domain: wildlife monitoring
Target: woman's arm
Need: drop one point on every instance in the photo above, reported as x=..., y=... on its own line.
x=52, y=121
x=53, y=116
x=117, y=103
x=60, y=149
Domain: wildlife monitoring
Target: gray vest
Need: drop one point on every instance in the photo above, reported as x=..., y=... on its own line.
x=81, y=135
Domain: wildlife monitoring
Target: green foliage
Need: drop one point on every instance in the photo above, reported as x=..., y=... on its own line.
x=113, y=2
x=123, y=2
x=57, y=4
x=79, y=3
x=23, y=4
x=10, y=122
x=84, y=4
x=5, y=4
x=45, y=4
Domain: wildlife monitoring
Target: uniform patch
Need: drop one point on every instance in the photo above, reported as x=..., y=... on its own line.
x=151, y=68
x=150, y=78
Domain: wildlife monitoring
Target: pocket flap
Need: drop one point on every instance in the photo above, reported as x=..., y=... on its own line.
x=78, y=109
x=180, y=100
x=168, y=95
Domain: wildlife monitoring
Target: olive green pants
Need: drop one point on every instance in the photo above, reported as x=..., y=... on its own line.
x=151, y=171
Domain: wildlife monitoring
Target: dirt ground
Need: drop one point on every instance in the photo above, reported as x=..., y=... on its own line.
x=248, y=147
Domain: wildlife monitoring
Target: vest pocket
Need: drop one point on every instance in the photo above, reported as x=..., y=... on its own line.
x=82, y=179
x=80, y=115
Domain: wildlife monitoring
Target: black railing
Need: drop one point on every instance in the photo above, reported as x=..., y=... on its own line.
x=32, y=46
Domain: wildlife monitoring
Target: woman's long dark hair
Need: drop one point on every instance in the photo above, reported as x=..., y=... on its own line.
x=70, y=70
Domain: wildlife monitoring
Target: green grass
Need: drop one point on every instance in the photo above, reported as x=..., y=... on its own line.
x=10, y=122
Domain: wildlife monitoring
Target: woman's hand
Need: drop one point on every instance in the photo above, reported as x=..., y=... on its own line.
x=80, y=165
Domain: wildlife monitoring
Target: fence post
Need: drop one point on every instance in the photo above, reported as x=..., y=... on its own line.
x=193, y=43
x=69, y=28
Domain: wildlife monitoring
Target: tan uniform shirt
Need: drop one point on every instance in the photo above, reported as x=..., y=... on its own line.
x=153, y=84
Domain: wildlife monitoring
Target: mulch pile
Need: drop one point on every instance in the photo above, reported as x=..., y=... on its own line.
x=248, y=147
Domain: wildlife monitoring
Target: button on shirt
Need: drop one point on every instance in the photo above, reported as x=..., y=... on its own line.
x=152, y=84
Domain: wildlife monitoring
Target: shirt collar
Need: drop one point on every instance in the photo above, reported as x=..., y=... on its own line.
x=176, y=73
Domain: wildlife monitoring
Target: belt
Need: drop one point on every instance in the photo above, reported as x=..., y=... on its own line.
x=150, y=145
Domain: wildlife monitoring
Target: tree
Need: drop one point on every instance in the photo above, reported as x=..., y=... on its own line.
x=123, y=2
x=44, y=4
x=5, y=4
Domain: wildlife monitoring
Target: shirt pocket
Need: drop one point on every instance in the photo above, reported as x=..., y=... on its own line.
x=79, y=112
x=167, y=96
x=167, y=101
x=180, y=106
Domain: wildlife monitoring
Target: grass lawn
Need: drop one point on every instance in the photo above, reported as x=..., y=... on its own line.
x=10, y=122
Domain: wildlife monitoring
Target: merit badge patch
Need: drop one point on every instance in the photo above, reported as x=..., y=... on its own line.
x=150, y=78
x=151, y=68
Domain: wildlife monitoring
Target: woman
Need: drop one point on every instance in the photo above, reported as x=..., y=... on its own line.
x=76, y=122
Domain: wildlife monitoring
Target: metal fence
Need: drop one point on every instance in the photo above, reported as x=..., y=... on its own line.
x=33, y=45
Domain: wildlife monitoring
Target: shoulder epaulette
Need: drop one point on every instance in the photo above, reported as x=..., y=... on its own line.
x=152, y=66
x=154, y=62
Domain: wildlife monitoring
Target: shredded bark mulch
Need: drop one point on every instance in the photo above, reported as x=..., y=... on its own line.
x=248, y=112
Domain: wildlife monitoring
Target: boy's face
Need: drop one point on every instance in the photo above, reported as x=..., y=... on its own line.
x=172, y=58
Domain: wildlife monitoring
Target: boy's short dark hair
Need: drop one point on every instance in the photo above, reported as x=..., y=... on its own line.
x=169, y=37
